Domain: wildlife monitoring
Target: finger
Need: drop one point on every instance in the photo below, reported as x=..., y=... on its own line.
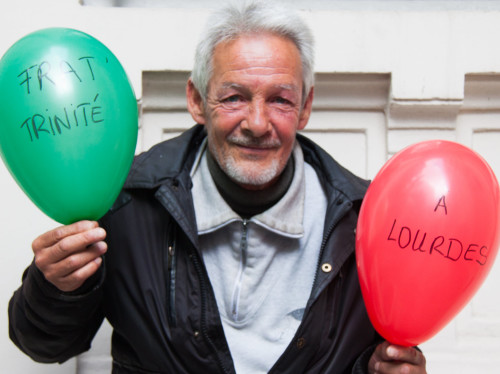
x=381, y=351
x=378, y=356
x=54, y=271
x=68, y=246
x=404, y=354
x=54, y=236
x=393, y=367
x=74, y=280
x=389, y=358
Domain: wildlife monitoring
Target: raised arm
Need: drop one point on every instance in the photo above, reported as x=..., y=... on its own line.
x=68, y=255
x=56, y=312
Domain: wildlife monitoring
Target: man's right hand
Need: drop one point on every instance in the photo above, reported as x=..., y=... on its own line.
x=69, y=255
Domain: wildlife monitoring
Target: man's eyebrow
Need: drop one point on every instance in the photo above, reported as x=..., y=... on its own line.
x=236, y=86
x=287, y=87
x=240, y=87
x=231, y=86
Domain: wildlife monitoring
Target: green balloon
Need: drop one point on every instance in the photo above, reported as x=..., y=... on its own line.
x=68, y=122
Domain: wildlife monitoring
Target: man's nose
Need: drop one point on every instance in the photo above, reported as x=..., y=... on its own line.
x=257, y=119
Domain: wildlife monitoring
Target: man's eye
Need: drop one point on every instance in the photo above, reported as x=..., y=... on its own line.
x=232, y=99
x=281, y=100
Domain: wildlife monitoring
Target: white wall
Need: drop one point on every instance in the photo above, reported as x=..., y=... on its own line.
x=432, y=73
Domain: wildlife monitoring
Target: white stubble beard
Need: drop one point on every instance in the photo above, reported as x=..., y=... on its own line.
x=250, y=176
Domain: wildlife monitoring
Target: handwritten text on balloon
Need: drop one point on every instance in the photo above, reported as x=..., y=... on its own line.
x=450, y=248
x=45, y=75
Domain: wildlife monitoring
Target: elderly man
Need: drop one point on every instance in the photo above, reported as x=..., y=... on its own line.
x=231, y=248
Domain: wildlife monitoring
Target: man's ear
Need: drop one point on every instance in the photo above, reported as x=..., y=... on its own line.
x=305, y=113
x=195, y=103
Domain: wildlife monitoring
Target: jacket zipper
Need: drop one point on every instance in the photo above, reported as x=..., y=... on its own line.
x=172, y=270
x=239, y=278
x=204, y=329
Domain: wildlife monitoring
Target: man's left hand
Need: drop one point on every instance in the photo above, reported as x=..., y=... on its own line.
x=392, y=359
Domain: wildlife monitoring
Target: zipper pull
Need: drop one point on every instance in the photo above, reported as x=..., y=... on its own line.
x=170, y=256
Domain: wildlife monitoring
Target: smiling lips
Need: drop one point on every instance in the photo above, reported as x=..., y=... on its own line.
x=253, y=142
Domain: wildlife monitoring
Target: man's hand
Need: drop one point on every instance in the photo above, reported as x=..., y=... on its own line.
x=69, y=255
x=391, y=359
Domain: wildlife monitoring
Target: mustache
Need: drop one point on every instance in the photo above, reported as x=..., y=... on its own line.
x=251, y=141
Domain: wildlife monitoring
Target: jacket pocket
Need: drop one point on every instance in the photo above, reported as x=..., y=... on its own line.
x=337, y=304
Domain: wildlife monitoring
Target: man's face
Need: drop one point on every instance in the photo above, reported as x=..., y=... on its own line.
x=254, y=107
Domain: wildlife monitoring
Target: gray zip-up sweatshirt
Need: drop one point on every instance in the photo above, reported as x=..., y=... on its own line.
x=262, y=268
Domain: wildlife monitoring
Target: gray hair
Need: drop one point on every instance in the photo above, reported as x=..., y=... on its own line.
x=246, y=18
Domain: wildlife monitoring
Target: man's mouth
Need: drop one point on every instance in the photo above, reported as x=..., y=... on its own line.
x=254, y=143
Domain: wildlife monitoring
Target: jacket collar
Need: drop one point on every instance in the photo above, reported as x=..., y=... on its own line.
x=212, y=212
x=166, y=160
x=331, y=173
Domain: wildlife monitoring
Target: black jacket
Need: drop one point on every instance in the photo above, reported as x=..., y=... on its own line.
x=155, y=291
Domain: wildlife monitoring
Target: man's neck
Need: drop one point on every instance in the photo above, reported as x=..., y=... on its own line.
x=248, y=203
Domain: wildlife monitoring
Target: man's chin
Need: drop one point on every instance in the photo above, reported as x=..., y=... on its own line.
x=250, y=179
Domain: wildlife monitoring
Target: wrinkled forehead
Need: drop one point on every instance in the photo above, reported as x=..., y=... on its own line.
x=256, y=53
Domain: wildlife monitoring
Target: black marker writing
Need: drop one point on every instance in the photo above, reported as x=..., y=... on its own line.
x=39, y=125
x=449, y=248
x=45, y=73
x=442, y=204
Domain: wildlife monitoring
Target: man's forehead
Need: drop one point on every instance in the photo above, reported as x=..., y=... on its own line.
x=247, y=41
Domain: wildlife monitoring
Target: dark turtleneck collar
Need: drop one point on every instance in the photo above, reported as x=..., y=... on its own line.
x=248, y=203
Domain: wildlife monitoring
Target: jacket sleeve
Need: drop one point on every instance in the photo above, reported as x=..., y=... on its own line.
x=361, y=364
x=52, y=326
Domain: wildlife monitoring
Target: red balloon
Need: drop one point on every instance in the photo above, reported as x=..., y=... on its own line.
x=427, y=236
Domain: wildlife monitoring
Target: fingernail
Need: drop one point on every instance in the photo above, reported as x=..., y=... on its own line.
x=102, y=247
x=392, y=351
x=98, y=260
x=99, y=232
